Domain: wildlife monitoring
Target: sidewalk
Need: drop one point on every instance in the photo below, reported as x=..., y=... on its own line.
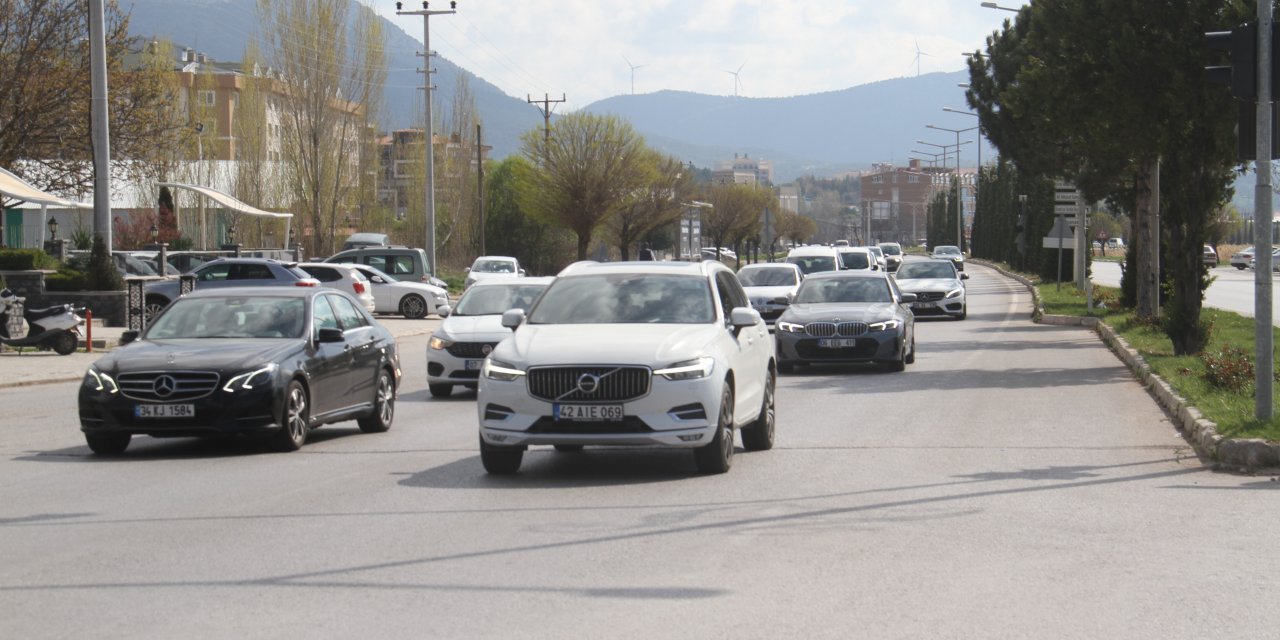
x=31, y=367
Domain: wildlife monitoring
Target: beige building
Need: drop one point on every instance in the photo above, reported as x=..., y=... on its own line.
x=743, y=169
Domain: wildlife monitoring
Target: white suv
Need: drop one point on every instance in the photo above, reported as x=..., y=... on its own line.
x=631, y=353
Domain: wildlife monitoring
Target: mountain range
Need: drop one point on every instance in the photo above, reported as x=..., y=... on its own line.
x=817, y=134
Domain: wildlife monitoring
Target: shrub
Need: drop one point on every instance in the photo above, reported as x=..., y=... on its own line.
x=1228, y=368
x=102, y=274
x=65, y=280
x=25, y=260
x=81, y=239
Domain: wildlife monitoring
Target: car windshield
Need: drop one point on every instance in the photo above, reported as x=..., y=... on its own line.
x=821, y=290
x=855, y=260
x=494, y=266
x=813, y=264
x=891, y=249
x=768, y=277
x=625, y=298
x=230, y=317
x=946, y=251
x=496, y=299
x=912, y=270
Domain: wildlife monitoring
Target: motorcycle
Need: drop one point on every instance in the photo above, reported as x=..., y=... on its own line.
x=56, y=327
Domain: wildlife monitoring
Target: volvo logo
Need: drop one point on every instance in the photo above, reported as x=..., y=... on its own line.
x=588, y=383
x=164, y=386
x=486, y=349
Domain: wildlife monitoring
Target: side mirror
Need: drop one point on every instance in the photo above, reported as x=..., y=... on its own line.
x=444, y=310
x=964, y=276
x=512, y=318
x=128, y=336
x=782, y=299
x=377, y=280
x=467, y=270
x=329, y=334
x=744, y=317
x=907, y=297
x=522, y=272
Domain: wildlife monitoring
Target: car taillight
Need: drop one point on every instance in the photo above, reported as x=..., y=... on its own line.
x=358, y=286
x=307, y=282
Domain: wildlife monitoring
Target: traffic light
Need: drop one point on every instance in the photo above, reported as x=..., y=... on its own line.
x=1241, y=44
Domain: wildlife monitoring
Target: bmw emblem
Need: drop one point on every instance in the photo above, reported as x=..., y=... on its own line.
x=486, y=349
x=588, y=383
x=164, y=386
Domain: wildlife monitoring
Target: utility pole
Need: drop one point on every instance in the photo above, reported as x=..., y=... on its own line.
x=1263, y=223
x=480, y=187
x=546, y=109
x=426, y=54
x=99, y=121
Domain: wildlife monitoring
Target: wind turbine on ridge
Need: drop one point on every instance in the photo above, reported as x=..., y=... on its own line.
x=737, y=82
x=918, y=54
x=633, y=73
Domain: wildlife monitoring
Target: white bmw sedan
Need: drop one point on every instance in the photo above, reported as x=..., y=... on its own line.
x=631, y=354
x=412, y=300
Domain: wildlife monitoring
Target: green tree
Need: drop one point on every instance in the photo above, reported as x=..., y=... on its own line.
x=510, y=231
x=582, y=173
x=657, y=203
x=736, y=213
x=102, y=274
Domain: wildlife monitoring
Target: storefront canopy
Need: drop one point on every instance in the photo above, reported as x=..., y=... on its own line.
x=229, y=202
x=12, y=186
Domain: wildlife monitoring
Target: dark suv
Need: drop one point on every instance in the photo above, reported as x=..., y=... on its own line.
x=407, y=264
x=230, y=272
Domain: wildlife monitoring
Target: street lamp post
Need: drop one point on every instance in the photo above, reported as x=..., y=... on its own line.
x=977, y=178
x=945, y=153
x=992, y=5
x=163, y=260
x=959, y=204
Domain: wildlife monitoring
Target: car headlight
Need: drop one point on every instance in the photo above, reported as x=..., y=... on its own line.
x=688, y=369
x=99, y=381
x=439, y=343
x=790, y=327
x=955, y=293
x=884, y=326
x=499, y=370
x=250, y=379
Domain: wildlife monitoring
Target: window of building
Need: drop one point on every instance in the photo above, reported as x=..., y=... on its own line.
x=205, y=98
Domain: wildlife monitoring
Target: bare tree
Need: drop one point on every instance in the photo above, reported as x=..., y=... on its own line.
x=657, y=203
x=327, y=86
x=579, y=176
x=735, y=214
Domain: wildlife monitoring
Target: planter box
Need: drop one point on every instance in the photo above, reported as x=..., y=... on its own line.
x=28, y=284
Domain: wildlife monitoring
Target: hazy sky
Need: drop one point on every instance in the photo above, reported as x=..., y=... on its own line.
x=581, y=48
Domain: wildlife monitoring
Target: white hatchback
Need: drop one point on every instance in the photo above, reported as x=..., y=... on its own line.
x=631, y=354
x=412, y=300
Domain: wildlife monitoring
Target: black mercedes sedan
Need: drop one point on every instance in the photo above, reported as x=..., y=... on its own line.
x=847, y=316
x=269, y=361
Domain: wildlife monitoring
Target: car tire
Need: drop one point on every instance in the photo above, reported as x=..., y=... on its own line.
x=64, y=344
x=413, y=307
x=384, y=405
x=1239, y=267
x=440, y=390
x=717, y=455
x=295, y=418
x=759, y=436
x=569, y=448
x=911, y=357
x=500, y=460
x=154, y=305
x=108, y=444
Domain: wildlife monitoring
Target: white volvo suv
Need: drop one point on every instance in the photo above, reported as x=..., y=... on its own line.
x=631, y=354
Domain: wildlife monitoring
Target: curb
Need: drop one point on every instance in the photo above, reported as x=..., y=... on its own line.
x=1250, y=455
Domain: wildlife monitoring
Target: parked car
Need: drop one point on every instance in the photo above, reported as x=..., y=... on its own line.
x=269, y=361
x=892, y=255
x=412, y=300
x=939, y=288
x=949, y=252
x=879, y=254
x=472, y=329
x=857, y=258
x=1115, y=243
x=406, y=264
x=814, y=258
x=1275, y=259
x=343, y=278
x=770, y=287
x=1210, y=256
x=492, y=267
x=727, y=256
x=357, y=240
x=848, y=317
x=1243, y=259
x=229, y=272
x=631, y=354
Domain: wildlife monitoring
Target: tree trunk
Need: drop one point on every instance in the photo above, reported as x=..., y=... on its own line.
x=624, y=250
x=1147, y=280
x=584, y=241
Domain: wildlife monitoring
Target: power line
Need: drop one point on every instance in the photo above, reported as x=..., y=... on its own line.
x=546, y=109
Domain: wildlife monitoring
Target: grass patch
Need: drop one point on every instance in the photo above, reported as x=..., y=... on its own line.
x=1231, y=338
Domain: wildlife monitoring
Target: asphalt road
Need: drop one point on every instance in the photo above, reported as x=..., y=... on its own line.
x=1016, y=482
x=1231, y=289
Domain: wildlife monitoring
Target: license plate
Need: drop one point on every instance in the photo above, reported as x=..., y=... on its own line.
x=165, y=411
x=923, y=305
x=589, y=412
x=474, y=365
x=837, y=343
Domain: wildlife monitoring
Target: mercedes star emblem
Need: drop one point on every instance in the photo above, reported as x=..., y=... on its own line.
x=164, y=386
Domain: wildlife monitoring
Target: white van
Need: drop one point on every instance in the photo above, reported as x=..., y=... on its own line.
x=814, y=258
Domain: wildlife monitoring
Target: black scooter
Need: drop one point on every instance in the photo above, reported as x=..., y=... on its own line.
x=55, y=327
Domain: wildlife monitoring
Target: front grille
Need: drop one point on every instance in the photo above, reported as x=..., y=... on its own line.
x=470, y=349
x=611, y=384
x=832, y=329
x=929, y=296
x=865, y=349
x=186, y=385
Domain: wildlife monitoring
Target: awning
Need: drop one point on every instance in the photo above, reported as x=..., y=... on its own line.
x=228, y=202
x=12, y=186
